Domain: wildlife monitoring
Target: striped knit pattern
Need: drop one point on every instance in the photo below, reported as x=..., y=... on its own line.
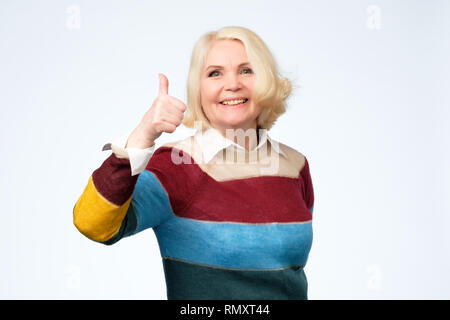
x=224, y=231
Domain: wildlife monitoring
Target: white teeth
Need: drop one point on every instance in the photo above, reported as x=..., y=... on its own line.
x=233, y=102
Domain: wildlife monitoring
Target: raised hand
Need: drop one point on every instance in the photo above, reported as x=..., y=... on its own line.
x=165, y=115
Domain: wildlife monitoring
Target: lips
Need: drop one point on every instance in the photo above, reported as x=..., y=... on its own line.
x=234, y=99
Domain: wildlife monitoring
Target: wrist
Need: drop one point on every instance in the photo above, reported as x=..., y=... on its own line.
x=139, y=140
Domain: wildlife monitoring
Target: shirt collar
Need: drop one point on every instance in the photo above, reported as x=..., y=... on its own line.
x=211, y=142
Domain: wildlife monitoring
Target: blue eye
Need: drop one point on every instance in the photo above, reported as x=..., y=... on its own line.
x=212, y=73
x=250, y=71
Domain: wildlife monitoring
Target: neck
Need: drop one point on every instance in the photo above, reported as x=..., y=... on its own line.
x=248, y=138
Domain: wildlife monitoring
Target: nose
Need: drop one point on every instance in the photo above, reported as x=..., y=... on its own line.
x=232, y=82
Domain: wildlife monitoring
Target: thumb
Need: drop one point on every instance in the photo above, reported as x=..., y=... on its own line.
x=163, y=84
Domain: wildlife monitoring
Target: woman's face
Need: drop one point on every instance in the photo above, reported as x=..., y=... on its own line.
x=228, y=75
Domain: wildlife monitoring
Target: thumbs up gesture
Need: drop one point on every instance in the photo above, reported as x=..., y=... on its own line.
x=165, y=115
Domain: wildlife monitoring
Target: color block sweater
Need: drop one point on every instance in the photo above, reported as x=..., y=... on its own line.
x=238, y=229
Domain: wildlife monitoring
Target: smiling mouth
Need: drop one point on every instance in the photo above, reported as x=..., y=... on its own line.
x=234, y=103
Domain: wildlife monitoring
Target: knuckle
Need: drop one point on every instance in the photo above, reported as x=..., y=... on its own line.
x=157, y=127
x=159, y=124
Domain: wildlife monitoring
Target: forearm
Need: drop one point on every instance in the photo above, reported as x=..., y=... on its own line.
x=101, y=208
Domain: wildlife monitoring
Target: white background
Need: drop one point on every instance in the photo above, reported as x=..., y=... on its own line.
x=370, y=111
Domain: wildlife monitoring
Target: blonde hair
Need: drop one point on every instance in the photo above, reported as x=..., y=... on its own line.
x=270, y=91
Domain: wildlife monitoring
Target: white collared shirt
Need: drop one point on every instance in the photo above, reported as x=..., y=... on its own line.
x=210, y=141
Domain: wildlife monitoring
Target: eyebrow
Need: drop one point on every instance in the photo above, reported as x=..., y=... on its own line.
x=221, y=67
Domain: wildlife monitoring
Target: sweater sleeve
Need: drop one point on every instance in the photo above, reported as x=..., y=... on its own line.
x=307, y=186
x=116, y=204
x=105, y=201
x=138, y=157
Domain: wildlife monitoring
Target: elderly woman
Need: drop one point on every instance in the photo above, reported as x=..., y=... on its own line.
x=231, y=207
